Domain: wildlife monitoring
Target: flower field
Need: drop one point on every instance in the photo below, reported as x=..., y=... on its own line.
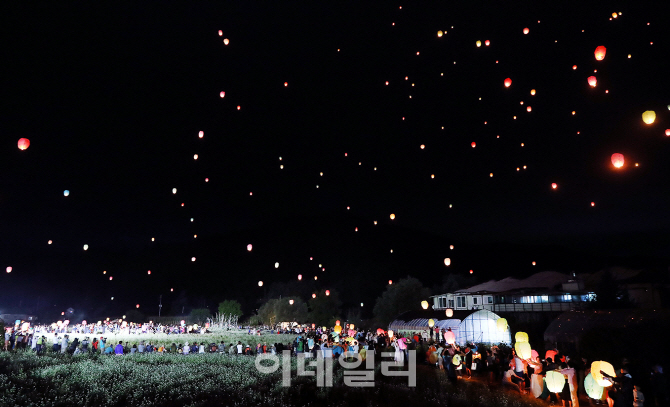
x=216, y=380
x=227, y=337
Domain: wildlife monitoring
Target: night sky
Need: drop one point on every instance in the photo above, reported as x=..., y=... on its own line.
x=113, y=96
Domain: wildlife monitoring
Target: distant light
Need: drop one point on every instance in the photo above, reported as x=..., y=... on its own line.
x=9, y=269
x=526, y=30
x=390, y=282
x=195, y=156
x=249, y=247
x=222, y=94
x=174, y=190
x=226, y=41
x=50, y=242
x=276, y=265
x=192, y=258
x=85, y=247
x=201, y=134
x=260, y=284
x=66, y=192
x=554, y=185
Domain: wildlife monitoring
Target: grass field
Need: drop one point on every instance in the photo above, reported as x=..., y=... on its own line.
x=217, y=380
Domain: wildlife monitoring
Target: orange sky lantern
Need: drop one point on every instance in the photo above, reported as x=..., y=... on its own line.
x=327, y=292
x=554, y=185
x=508, y=82
x=23, y=143
x=617, y=160
x=226, y=41
x=526, y=30
x=600, y=53
x=473, y=144
x=592, y=81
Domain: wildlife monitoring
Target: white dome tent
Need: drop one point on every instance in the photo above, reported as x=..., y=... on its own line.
x=480, y=326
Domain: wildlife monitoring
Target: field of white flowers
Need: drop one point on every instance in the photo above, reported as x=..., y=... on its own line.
x=213, y=379
x=227, y=337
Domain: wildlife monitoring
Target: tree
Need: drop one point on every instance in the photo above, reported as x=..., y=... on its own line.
x=281, y=310
x=200, y=315
x=405, y=295
x=325, y=309
x=230, y=307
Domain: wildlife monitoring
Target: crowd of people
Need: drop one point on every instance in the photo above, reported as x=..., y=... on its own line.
x=494, y=364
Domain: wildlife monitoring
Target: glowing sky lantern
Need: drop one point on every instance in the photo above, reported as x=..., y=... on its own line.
x=137, y=306
x=592, y=81
x=501, y=324
x=526, y=30
x=149, y=272
x=201, y=134
x=111, y=278
x=222, y=94
x=487, y=43
x=450, y=337
x=290, y=302
x=424, y=304
x=220, y=33
x=523, y=350
x=529, y=109
x=600, y=53
x=449, y=312
x=327, y=292
x=390, y=333
x=299, y=277
x=599, y=365
x=313, y=295
x=554, y=185
x=473, y=144
x=521, y=337
x=285, y=84
x=192, y=258
x=260, y=284
x=555, y=381
x=174, y=190
x=439, y=34
x=249, y=247
x=392, y=216
x=447, y=261
x=8, y=269
x=49, y=242
x=532, y=92
x=649, y=116
x=390, y=282
x=617, y=160
x=23, y=143
x=276, y=265
x=593, y=389
x=85, y=247
x=451, y=247
x=478, y=43
x=226, y=41
x=508, y=82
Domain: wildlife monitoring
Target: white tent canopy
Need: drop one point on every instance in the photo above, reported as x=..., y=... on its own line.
x=478, y=327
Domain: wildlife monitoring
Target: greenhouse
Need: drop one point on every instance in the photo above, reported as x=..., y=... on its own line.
x=479, y=326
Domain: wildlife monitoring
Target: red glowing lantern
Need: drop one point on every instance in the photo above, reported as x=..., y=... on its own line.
x=313, y=295
x=23, y=143
x=600, y=53
x=299, y=276
x=390, y=282
x=487, y=43
x=285, y=84
x=473, y=144
x=337, y=323
x=592, y=81
x=508, y=82
x=554, y=185
x=617, y=160
x=220, y=33
x=327, y=292
x=526, y=30
x=222, y=94
x=667, y=132
x=137, y=306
